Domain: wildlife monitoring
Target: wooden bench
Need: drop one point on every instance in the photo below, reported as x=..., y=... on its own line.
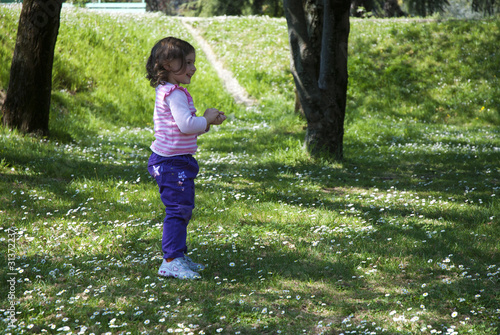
x=122, y=7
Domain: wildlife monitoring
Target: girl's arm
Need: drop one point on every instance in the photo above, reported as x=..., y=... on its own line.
x=187, y=123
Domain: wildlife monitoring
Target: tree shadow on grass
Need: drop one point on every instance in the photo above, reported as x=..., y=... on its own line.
x=274, y=267
x=96, y=286
x=58, y=178
x=458, y=221
x=432, y=174
x=285, y=289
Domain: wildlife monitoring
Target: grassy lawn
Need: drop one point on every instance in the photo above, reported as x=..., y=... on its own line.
x=402, y=237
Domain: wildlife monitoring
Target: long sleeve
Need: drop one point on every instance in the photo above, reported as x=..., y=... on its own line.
x=185, y=120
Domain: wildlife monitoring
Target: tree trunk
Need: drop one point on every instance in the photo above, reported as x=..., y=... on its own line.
x=318, y=32
x=27, y=104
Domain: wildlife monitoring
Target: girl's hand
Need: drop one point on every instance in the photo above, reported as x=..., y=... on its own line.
x=211, y=115
x=220, y=118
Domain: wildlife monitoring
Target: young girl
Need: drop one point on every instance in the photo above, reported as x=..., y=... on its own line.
x=177, y=127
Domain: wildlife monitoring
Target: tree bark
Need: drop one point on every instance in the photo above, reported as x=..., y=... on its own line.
x=318, y=32
x=27, y=104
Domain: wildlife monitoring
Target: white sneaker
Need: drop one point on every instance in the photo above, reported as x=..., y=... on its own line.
x=192, y=265
x=177, y=269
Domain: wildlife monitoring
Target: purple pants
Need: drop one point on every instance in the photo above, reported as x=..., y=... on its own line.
x=175, y=178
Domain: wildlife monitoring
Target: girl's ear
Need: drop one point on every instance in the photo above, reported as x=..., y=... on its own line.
x=166, y=65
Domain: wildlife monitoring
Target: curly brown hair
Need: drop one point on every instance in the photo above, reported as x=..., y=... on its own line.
x=163, y=52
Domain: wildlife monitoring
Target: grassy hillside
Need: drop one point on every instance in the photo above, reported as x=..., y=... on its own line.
x=400, y=238
x=99, y=69
x=435, y=71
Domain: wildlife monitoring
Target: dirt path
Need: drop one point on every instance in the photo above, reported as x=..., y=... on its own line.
x=239, y=94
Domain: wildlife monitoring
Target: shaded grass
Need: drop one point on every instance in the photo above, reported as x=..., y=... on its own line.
x=394, y=240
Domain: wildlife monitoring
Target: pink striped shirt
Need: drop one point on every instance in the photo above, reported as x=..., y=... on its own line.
x=176, y=125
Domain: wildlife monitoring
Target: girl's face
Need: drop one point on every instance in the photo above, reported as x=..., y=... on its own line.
x=175, y=77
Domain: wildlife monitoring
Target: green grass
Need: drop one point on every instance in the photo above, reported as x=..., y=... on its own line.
x=400, y=238
x=437, y=71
